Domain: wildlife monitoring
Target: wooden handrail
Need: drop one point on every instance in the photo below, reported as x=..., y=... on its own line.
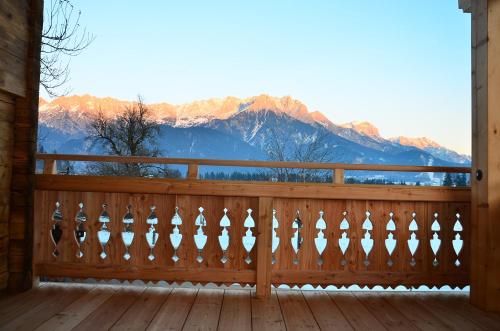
x=249, y=163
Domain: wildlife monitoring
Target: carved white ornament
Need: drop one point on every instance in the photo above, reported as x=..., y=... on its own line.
x=104, y=234
x=152, y=235
x=320, y=241
x=80, y=233
x=56, y=232
x=200, y=239
x=297, y=239
x=367, y=241
x=413, y=241
x=390, y=242
x=249, y=239
x=435, y=242
x=224, y=237
x=128, y=233
x=344, y=239
x=176, y=236
x=458, y=243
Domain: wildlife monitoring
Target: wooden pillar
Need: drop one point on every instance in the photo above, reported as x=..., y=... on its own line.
x=485, y=231
x=264, y=246
x=21, y=24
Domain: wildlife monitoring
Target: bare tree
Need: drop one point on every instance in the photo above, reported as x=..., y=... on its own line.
x=131, y=133
x=281, y=147
x=62, y=38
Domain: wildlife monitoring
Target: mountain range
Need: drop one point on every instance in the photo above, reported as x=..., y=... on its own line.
x=234, y=128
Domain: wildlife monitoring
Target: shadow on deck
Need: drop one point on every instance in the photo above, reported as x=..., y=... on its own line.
x=57, y=306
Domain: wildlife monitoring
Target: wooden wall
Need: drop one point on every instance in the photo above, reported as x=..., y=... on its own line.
x=20, y=31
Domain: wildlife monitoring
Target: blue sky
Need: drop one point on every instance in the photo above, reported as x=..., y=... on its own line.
x=402, y=65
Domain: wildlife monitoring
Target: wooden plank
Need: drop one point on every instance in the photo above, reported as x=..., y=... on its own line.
x=105, y=315
x=448, y=316
x=389, y=316
x=140, y=314
x=204, y=314
x=145, y=272
x=250, y=164
x=173, y=313
x=29, y=320
x=459, y=302
x=415, y=313
x=355, y=312
x=266, y=313
x=264, y=244
x=10, y=307
x=296, y=313
x=249, y=189
x=325, y=311
x=76, y=312
x=236, y=313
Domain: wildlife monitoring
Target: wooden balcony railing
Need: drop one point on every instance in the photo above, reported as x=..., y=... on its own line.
x=278, y=233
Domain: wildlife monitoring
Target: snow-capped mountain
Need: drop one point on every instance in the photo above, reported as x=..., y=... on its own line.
x=234, y=128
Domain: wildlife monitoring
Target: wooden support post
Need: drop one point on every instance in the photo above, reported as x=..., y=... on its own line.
x=50, y=167
x=192, y=171
x=338, y=176
x=264, y=244
x=485, y=205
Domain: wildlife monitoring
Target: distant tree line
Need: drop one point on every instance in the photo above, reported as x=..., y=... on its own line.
x=457, y=180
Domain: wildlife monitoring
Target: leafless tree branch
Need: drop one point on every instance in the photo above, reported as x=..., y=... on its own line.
x=62, y=38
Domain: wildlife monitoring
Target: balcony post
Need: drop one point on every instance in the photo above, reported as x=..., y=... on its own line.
x=338, y=176
x=264, y=244
x=485, y=181
x=50, y=167
x=192, y=172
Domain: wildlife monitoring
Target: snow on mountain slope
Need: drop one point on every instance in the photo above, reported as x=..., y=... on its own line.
x=249, y=120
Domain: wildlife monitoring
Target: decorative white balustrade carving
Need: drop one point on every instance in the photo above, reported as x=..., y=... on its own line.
x=224, y=236
x=320, y=240
x=344, y=239
x=104, y=234
x=458, y=243
x=413, y=241
x=80, y=233
x=390, y=242
x=249, y=239
x=128, y=233
x=152, y=235
x=200, y=238
x=176, y=236
x=367, y=241
x=56, y=232
x=435, y=241
x=297, y=239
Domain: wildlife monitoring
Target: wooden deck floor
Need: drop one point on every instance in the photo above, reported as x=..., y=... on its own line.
x=88, y=307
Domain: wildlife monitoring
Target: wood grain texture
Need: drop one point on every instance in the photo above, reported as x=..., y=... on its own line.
x=236, y=312
x=245, y=163
x=266, y=313
x=264, y=245
x=62, y=306
x=140, y=314
x=325, y=311
x=172, y=315
x=295, y=311
x=248, y=189
x=204, y=314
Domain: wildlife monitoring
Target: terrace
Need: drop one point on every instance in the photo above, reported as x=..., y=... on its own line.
x=241, y=254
